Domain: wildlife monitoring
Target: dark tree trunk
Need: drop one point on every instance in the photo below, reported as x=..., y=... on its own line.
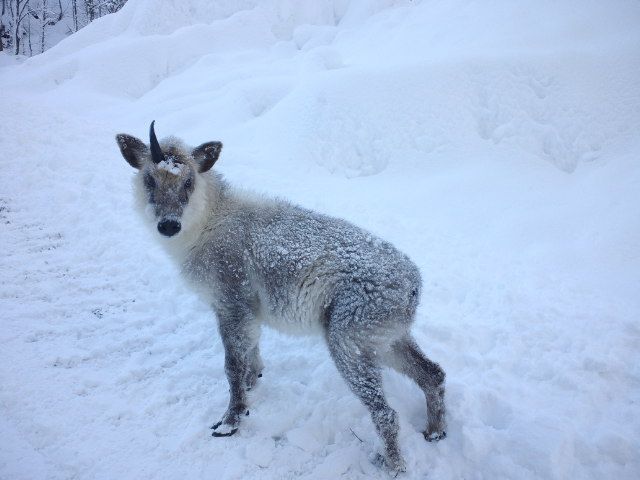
x=74, y=7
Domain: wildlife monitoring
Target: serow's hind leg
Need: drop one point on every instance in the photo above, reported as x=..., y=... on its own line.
x=363, y=375
x=254, y=368
x=407, y=358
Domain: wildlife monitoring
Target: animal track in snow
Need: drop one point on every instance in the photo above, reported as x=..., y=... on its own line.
x=494, y=412
x=524, y=106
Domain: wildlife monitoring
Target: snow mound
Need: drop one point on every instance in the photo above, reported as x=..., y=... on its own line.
x=299, y=67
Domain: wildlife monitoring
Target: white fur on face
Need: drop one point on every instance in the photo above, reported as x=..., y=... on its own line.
x=195, y=210
x=143, y=206
x=150, y=212
x=193, y=216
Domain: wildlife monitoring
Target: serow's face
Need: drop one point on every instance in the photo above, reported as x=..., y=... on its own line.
x=168, y=186
x=168, y=175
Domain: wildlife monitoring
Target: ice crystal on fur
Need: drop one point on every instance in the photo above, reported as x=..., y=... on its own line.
x=169, y=165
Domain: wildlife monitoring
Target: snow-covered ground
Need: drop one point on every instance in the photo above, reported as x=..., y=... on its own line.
x=497, y=143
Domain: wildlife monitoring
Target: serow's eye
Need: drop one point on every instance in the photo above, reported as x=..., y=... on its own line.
x=149, y=182
x=188, y=184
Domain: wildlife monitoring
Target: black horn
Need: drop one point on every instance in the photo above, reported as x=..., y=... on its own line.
x=156, y=153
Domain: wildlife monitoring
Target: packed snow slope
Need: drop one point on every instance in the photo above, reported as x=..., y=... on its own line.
x=497, y=143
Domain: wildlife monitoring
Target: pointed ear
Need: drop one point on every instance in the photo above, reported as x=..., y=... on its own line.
x=207, y=154
x=133, y=149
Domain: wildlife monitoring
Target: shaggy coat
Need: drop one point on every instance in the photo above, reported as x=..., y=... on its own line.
x=260, y=261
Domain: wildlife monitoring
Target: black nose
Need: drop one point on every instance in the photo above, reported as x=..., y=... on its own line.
x=169, y=227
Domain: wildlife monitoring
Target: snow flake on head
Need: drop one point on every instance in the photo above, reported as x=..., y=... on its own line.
x=170, y=165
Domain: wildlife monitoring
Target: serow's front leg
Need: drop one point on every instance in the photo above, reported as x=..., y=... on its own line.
x=237, y=330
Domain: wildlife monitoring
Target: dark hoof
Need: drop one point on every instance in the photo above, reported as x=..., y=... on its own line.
x=221, y=434
x=228, y=434
x=435, y=436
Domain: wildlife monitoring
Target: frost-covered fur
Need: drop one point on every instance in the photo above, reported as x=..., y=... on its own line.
x=260, y=261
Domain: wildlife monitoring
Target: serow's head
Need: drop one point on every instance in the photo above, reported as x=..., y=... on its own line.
x=169, y=175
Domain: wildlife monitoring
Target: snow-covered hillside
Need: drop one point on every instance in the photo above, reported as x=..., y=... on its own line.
x=497, y=143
